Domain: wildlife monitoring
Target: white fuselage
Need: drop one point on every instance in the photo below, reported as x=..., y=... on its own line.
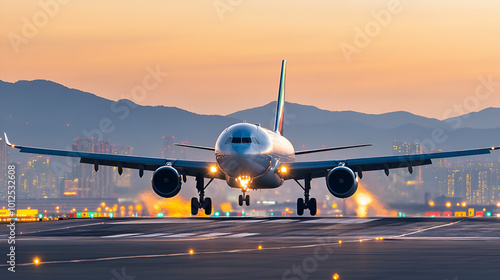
x=248, y=155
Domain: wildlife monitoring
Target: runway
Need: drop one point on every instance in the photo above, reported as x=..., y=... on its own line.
x=258, y=248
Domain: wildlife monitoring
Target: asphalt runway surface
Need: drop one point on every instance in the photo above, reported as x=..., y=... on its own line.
x=228, y=248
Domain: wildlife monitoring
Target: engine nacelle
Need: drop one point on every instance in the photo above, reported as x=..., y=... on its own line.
x=341, y=182
x=166, y=181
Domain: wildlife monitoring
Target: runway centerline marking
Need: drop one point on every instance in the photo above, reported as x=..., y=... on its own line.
x=426, y=229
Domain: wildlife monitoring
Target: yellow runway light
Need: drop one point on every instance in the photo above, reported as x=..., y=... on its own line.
x=335, y=276
x=340, y=242
x=260, y=247
x=36, y=261
x=361, y=241
x=191, y=252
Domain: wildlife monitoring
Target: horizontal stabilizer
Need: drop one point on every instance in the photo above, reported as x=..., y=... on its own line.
x=330, y=149
x=195, y=147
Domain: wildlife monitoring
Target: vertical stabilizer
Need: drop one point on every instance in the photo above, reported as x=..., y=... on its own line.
x=280, y=105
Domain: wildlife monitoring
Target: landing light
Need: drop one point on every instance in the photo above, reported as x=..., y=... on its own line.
x=283, y=169
x=244, y=181
x=213, y=169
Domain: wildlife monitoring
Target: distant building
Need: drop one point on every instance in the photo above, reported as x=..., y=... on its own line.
x=170, y=150
x=125, y=180
x=477, y=181
x=91, y=184
x=405, y=185
x=37, y=179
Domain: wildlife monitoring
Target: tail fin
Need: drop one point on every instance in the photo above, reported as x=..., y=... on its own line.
x=280, y=105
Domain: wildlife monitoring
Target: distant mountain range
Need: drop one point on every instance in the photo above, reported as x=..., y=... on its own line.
x=47, y=114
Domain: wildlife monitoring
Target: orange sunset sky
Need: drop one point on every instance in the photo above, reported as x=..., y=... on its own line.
x=224, y=55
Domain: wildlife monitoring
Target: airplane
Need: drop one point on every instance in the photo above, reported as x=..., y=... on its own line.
x=250, y=157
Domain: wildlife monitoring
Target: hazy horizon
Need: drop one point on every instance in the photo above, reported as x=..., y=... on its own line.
x=263, y=103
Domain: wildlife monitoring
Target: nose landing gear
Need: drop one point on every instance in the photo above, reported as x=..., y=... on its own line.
x=244, y=198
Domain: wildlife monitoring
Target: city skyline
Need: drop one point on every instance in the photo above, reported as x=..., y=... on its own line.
x=205, y=57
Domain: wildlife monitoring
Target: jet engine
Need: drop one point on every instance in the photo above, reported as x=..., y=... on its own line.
x=166, y=181
x=341, y=182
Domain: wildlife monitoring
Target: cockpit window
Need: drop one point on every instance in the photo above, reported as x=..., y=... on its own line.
x=236, y=140
x=255, y=140
x=246, y=140
x=228, y=140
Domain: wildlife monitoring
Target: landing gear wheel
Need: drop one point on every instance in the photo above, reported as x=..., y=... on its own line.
x=247, y=200
x=208, y=206
x=312, y=206
x=194, y=206
x=300, y=206
x=240, y=200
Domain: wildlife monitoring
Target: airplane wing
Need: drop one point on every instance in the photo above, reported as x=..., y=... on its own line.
x=298, y=170
x=184, y=167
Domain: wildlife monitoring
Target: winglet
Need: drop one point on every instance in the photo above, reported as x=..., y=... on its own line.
x=7, y=141
x=280, y=105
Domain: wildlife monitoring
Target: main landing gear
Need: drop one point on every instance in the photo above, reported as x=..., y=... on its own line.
x=306, y=202
x=203, y=202
x=244, y=198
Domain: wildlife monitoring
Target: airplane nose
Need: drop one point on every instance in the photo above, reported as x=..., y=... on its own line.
x=244, y=165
